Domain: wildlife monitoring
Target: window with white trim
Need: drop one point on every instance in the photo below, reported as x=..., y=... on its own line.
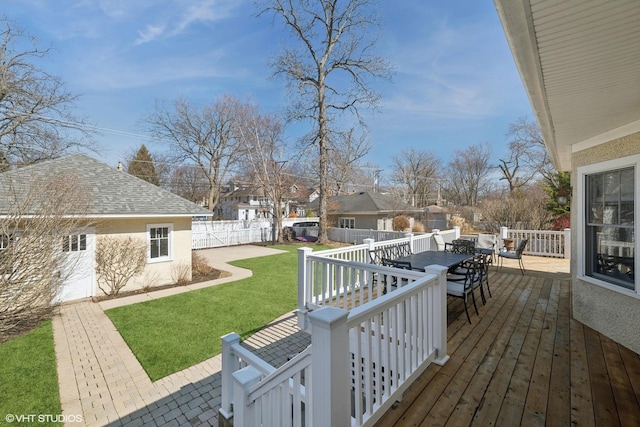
x=346, y=223
x=74, y=243
x=610, y=198
x=160, y=242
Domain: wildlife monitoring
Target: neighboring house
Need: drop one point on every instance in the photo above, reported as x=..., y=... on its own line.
x=243, y=202
x=299, y=201
x=580, y=64
x=366, y=210
x=121, y=205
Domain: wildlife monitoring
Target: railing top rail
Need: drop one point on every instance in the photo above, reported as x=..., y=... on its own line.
x=364, y=312
x=252, y=359
x=345, y=249
x=537, y=231
x=293, y=366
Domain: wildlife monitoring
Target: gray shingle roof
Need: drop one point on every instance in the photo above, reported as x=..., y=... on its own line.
x=367, y=203
x=113, y=193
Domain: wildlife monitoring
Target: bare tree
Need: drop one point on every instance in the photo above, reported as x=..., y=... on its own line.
x=328, y=66
x=188, y=181
x=39, y=225
x=205, y=136
x=117, y=261
x=466, y=174
x=524, y=209
x=415, y=172
x=36, y=121
x=347, y=149
x=265, y=154
x=514, y=169
x=527, y=145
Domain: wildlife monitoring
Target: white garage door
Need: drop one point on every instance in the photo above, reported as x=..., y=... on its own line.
x=79, y=250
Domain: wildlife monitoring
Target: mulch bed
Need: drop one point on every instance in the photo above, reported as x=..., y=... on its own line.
x=214, y=274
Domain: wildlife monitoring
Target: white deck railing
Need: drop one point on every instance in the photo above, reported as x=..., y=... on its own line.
x=358, y=364
x=549, y=243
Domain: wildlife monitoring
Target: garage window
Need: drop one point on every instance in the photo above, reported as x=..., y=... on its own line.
x=74, y=243
x=159, y=238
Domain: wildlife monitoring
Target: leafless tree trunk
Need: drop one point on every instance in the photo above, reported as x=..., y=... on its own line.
x=42, y=217
x=327, y=68
x=117, y=261
x=205, y=136
x=416, y=172
x=36, y=121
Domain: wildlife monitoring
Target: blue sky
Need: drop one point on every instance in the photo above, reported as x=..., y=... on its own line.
x=455, y=81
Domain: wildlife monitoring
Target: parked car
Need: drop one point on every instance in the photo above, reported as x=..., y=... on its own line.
x=305, y=231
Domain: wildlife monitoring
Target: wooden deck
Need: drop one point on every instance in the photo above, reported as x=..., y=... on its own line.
x=524, y=361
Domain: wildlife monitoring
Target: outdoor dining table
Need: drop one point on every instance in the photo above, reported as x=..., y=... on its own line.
x=446, y=259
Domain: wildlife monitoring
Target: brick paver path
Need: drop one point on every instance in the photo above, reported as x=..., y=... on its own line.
x=101, y=380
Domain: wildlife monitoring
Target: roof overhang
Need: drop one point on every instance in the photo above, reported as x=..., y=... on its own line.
x=580, y=65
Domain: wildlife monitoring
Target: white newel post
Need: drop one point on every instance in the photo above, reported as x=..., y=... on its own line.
x=369, y=242
x=229, y=366
x=243, y=414
x=410, y=236
x=457, y=231
x=330, y=390
x=567, y=243
x=303, y=253
x=504, y=232
x=440, y=307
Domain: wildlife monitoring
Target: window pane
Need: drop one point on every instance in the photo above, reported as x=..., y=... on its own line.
x=595, y=199
x=65, y=243
x=155, y=249
x=613, y=254
x=164, y=247
x=627, y=192
x=74, y=243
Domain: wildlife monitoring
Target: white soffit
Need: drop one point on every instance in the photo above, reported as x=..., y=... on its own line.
x=580, y=63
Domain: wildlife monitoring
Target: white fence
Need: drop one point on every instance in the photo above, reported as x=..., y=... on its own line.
x=555, y=244
x=214, y=234
x=358, y=364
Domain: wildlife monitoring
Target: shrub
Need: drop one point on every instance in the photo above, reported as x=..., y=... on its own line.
x=199, y=266
x=180, y=273
x=401, y=223
x=117, y=261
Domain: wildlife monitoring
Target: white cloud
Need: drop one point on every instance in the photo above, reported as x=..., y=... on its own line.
x=151, y=33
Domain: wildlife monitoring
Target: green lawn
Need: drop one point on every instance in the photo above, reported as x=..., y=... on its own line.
x=173, y=333
x=28, y=378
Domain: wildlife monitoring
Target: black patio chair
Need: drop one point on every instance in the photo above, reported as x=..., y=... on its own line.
x=464, y=286
x=517, y=254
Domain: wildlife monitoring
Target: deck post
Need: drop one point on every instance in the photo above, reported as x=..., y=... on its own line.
x=303, y=295
x=370, y=243
x=567, y=243
x=243, y=411
x=440, y=312
x=229, y=366
x=410, y=236
x=330, y=406
x=456, y=229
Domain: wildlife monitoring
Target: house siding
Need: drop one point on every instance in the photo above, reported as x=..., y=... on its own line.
x=157, y=273
x=611, y=313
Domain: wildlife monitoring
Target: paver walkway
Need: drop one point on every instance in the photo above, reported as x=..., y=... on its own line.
x=100, y=378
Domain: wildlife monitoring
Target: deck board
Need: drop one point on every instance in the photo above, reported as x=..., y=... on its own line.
x=524, y=361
